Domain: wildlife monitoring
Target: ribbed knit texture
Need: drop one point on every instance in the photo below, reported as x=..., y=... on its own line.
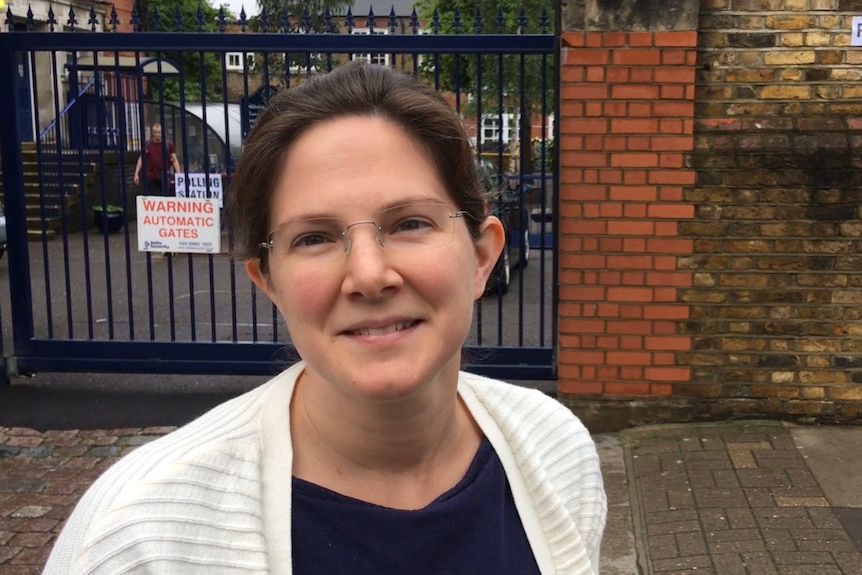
x=192, y=501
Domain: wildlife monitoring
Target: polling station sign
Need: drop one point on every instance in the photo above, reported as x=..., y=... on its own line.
x=188, y=225
x=199, y=186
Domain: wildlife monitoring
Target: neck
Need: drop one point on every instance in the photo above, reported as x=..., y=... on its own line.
x=385, y=436
x=399, y=453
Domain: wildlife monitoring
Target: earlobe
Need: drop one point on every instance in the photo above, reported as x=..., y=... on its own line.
x=488, y=248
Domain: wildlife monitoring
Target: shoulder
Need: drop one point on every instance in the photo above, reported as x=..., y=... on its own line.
x=206, y=473
x=554, y=454
x=523, y=411
x=540, y=430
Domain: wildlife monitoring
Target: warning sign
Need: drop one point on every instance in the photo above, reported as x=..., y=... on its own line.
x=178, y=225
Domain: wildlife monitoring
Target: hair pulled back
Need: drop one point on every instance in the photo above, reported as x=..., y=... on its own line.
x=353, y=89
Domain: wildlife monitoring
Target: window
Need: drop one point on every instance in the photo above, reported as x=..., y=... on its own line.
x=497, y=128
x=304, y=62
x=372, y=58
x=234, y=60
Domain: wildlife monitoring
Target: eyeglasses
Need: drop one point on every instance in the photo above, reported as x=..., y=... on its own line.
x=405, y=227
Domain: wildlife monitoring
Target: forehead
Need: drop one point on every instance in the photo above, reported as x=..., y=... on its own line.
x=353, y=163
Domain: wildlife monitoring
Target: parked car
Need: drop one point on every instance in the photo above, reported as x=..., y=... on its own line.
x=506, y=200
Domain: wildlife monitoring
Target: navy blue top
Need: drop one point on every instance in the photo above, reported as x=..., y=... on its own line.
x=472, y=528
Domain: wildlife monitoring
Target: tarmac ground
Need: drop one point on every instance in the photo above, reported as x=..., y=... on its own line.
x=726, y=498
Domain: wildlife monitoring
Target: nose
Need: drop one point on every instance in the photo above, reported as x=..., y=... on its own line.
x=368, y=270
x=348, y=229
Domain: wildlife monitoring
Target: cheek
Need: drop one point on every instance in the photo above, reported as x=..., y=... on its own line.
x=303, y=296
x=450, y=275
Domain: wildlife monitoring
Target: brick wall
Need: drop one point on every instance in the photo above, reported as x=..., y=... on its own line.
x=710, y=234
x=627, y=104
x=775, y=301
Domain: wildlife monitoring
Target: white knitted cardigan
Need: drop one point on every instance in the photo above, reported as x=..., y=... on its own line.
x=214, y=496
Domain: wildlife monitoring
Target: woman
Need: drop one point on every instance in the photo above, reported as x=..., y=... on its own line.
x=357, y=209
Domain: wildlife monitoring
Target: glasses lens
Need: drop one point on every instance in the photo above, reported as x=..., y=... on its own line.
x=416, y=226
x=308, y=238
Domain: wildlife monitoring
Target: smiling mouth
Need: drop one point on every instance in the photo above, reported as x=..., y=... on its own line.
x=384, y=330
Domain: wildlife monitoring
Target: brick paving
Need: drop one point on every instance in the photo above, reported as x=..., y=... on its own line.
x=732, y=498
x=42, y=476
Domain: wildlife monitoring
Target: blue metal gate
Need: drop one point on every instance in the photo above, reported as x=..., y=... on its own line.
x=84, y=299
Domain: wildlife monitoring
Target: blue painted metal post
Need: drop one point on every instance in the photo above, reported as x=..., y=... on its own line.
x=16, y=217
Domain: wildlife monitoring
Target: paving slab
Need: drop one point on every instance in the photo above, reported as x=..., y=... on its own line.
x=834, y=456
x=738, y=498
x=618, y=554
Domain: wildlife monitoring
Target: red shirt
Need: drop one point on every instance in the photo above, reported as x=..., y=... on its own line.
x=155, y=167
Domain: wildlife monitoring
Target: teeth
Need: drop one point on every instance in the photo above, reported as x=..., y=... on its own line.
x=384, y=330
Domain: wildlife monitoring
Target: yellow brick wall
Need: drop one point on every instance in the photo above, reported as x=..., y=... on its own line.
x=766, y=317
x=777, y=266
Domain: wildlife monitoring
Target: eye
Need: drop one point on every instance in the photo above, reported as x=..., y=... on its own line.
x=311, y=239
x=311, y=236
x=412, y=224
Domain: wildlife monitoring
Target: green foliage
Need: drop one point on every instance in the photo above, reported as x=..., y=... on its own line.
x=498, y=83
x=298, y=8
x=228, y=13
x=303, y=16
x=543, y=155
x=110, y=208
x=201, y=70
x=488, y=75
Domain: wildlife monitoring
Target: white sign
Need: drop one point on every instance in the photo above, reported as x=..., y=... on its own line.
x=189, y=225
x=856, y=31
x=199, y=186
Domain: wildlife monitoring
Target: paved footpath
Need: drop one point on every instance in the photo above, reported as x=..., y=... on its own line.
x=742, y=498
x=736, y=498
x=42, y=476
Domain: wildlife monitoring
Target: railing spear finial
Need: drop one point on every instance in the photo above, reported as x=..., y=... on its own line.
x=93, y=21
x=72, y=22
x=115, y=20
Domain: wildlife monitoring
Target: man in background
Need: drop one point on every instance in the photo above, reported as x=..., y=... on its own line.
x=155, y=153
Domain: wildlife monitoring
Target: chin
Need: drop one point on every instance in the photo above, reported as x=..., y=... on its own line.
x=394, y=382
x=384, y=387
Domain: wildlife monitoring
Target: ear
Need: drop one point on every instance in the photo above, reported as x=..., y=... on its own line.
x=488, y=248
x=257, y=276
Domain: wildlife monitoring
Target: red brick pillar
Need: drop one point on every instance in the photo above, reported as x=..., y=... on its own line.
x=626, y=126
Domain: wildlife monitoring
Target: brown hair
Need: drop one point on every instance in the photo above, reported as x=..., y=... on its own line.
x=353, y=89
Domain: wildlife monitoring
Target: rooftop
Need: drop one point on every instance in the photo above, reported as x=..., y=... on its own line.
x=382, y=7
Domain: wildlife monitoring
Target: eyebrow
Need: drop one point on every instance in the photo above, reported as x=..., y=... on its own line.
x=389, y=205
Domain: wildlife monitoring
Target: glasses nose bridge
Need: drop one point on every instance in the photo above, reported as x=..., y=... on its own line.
x=346, y=233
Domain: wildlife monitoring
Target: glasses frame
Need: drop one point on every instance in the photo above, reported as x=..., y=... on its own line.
x=267, y=246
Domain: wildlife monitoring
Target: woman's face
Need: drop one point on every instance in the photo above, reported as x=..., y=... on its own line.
x=376, y=322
